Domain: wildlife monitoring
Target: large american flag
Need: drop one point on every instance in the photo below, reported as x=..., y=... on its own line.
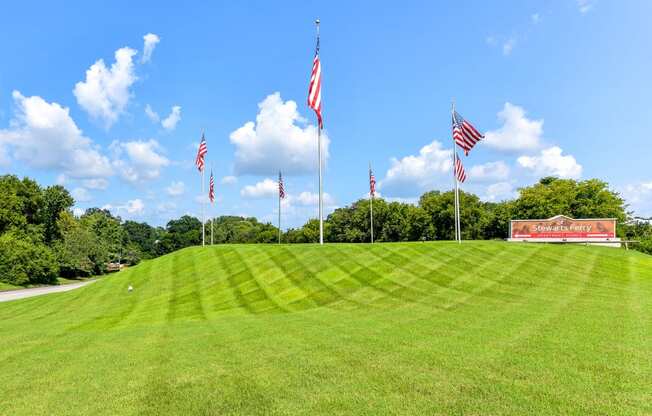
x=201, y=153
x=211, y=188
x=314, y=90
x=464, y=134
x=460, y=173
x=281, y=189
x=372, y=183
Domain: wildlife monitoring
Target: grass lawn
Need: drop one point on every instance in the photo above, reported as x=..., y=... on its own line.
x=485, y=328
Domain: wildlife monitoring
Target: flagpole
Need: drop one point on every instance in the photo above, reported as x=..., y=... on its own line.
x=319, y=156
x=279, y=208
x=371, y=206
x=458, y=233
x=212, y=207
x=203, y=216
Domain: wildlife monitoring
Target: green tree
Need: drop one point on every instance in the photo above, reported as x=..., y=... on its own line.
x=585, y=199
x=142, y=235
x=109, y=235
x=20, y=201
x=76, y=249
x=56, y=200
x=23, y=262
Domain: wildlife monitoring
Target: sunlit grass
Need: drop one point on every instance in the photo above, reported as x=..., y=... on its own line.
x=415, y=328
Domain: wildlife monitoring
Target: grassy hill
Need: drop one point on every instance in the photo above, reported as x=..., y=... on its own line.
x=418, y=328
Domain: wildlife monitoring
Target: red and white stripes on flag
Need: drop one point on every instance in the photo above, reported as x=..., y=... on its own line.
x=314, y=90
x=211, y=188
x=281, y=189
x=372, y=183
x=201, y=153
x=460, y=173
x=464, y=134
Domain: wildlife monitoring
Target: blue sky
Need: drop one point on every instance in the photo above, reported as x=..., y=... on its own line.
x=560, y=88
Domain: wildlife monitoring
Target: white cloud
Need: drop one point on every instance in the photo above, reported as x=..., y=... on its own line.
x=551, y=162
x=499, y=191
x=151, y=114
x=517, y=133
x=279, y=139
x=134, y=207
x=150, y=41
x=43, y=135
x=4, y=156
x=176, y=188
x=311, y=199
x=229, y=180
x=639, y=197
x=105, y=92
x=584, y=6
x=490, y=171
x=264, y=189
x=166, y=207
x=77, y=212
x=144, y=162
x=413, y=174
x=170, y=122
x=508, y=46
x=81, y=195
x=99, y=183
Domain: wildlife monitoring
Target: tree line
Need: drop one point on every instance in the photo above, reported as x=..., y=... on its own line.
x=41, y=239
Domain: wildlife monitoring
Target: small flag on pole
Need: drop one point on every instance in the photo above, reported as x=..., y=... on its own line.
x=460, y=173
x=314, y=91
x=372, y=183
x=281, y=189
x=201, y=153
x=211, y=188
x=464, y=134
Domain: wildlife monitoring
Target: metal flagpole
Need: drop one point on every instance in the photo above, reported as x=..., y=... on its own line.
x=212, y=206
x=203, y=216
x=279, y=208
x=321, y=182
x=457, y=201
x=459, y=225
x=371, y=206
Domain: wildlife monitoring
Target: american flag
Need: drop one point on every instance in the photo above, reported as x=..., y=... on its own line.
x=281, y=189
x=464, y=134
x=314, y=91
x=211, y=188
x=201, y=153
x=460, y=174
x=372, y=183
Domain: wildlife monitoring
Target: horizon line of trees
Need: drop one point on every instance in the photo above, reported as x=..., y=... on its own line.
x=41, y=239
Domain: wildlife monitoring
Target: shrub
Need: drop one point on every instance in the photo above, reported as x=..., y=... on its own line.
x=23, y=262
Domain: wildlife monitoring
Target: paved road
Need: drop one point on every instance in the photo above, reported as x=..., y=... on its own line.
x=27, y=293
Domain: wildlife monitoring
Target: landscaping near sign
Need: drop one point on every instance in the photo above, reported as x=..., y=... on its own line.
x=563, y=228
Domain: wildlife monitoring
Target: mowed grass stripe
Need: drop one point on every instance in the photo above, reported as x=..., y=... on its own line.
x=405, y=328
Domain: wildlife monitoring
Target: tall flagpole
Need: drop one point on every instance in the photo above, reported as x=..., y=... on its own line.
x=279, y=207
x=458, y=233
x=371, y=206
x=203, y=209
x=319, y=156
x=212, y=206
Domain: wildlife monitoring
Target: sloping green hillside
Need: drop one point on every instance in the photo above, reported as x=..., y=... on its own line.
x=418, y=328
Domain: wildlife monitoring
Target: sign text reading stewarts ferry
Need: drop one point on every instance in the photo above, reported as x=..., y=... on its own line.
x=562, y=227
